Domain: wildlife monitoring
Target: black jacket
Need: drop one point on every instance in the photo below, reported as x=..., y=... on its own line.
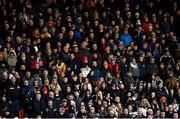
x=38, y=107
x=152, y=68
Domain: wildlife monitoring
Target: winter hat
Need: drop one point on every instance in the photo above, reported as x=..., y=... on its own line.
x=46, y=81
x=64, y=100
x=44, y=89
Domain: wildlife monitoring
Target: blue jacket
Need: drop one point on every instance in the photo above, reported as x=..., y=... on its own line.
x=27, y=90
x=126, y=39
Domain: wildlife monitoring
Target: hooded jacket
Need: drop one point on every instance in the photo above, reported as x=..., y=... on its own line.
x=12, y=58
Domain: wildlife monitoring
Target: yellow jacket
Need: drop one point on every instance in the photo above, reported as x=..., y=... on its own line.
x=62, y=68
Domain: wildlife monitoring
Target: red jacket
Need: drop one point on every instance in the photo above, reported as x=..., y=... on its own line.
x=115, y=68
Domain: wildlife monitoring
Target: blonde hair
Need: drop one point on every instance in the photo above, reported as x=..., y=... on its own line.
x=95, y=15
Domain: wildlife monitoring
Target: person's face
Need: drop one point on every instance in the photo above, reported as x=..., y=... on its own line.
x=35, y=83
x=56, y=91
x=163, y=114
x=94, y=46
x=121, y=86
x=13, y=80
x=38, y=96
x=108, y=95
x=96, y=23
x=3, y=98
x=91, y=35
x=130, y=108
x=95, y=56
x=105, y=104
x=79, y=20
x=99, y=102
x=16, y=75
x=117, y=99
x=101, y=27
x=130, y=53
x=177, y=67
x=61, y=111
x=140, y=87
x=118, y=53
x=124, y=60
x=129, y=94
x=45, y=73
x=103, y=85
x=118, y=12
x=54, y=81
x=6, y=26
x=86, y=14
x=64, y=103
x=162, y=66
x=170, y=108
x=68, y=89
x=175, y=115
x=51, y=95
x=76, y=49
x=63, y=30
x=160, y=85
x=50, y=103
x=26, y=83
x=76, y=94
x=28, y=74
x=94, y=64
x=72, y=56
x=41, y=22
x=71, y=34
x=152, y=60
x=126, y=111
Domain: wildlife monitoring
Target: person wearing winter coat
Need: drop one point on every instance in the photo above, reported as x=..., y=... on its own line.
x=167, y=58
x=27, y=94
x=105, y=69
x=51, y=111
x=142, y=68
x=4, y=110
x=123, y=67
x=114, y=67
x=12, y=58
x=95, y=70
x=171, y=81
x=85, y=70
x=134, y=68
x=13, y=95
x=61, y=67
x=152, y=67
x=38, y=105
x=128, y=79
x=126, y=38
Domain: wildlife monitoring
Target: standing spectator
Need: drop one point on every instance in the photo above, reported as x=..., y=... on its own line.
x=152, y=67
x=126, y=38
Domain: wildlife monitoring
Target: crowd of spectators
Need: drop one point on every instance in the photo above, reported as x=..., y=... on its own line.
x=89, y=58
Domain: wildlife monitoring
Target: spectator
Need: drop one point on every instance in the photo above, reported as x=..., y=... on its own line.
x=126, y=38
